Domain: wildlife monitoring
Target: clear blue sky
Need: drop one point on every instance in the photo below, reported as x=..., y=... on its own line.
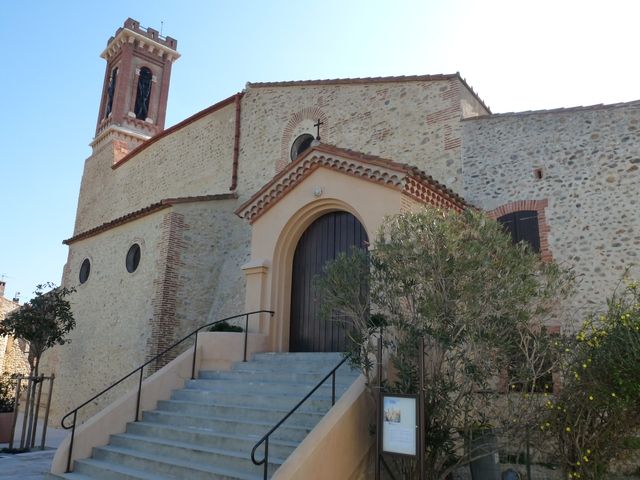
x=519, y=55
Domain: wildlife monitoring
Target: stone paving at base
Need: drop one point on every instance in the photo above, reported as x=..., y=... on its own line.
x=33, y=465
x=26, y=466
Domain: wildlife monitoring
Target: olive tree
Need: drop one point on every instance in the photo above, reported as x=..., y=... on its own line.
x=456, y=281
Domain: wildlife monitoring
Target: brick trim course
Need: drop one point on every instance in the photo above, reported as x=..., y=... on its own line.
x=166, y=285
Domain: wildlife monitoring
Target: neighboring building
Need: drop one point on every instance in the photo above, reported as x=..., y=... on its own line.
x=179, y=227
x=13, y=352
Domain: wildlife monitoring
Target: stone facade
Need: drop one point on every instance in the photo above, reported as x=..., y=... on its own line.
x=176, y=193
x=581, y=168
x=195, y=162
x=413, y=120
x=193, y=248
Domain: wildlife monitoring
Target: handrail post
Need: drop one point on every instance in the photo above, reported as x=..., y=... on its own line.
x=139, y=393
x=193, y=364
x=266, y=457
x=246, y=333
x=73, y=432
x=333, y=389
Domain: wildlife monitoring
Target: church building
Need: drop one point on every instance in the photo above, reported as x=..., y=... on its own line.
x=237, y=207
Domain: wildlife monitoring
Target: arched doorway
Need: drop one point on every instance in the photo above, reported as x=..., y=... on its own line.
x=327, y=236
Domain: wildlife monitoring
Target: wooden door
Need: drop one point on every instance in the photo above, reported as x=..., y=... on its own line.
x=326, y=237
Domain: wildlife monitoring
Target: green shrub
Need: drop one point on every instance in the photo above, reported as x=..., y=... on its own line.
x=7, y=393
x=225, y=327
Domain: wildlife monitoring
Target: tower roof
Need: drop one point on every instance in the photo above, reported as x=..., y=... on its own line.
x=148, y=38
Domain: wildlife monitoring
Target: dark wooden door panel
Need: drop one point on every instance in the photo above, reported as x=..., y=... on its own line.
x=326, y=237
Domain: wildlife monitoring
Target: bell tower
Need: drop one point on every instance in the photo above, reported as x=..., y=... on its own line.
x=136, y=87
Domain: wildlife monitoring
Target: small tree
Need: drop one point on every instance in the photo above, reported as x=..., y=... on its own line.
x=42, y=322
x=457, y=281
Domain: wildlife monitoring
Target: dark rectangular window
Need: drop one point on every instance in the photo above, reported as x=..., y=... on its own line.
x=523, y=226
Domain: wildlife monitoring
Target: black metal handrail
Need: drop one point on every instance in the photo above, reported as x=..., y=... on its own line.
x=265, y=438
x=141, y=368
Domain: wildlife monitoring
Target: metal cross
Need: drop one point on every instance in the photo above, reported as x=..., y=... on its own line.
x=318, y=127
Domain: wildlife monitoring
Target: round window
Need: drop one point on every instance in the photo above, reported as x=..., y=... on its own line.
x=300, y=145
x=133, y=258
x=85, y=270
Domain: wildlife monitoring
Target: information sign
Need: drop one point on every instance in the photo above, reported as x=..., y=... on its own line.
x=399, y=424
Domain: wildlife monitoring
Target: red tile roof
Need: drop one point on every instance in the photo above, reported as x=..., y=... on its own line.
x=599, y=106
x=370, y=80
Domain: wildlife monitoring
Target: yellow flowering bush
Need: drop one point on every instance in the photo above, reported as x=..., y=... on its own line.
x=599, y=404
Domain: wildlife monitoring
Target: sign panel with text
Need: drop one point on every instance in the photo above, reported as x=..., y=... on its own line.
x=399, y=424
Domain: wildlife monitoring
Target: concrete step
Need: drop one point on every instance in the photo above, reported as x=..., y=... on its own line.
x=302, y=417
x=248, y=387
x=192, y=453
x=326, y=358
x=319, y=401
x=99, y=470
x=69, y=476
x=171, y=467
x=206, y=438
x=278, y=376
x=289, y=366
x=254, y=429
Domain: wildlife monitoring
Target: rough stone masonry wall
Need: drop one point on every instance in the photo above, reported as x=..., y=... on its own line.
x=199, y=277
x=188, y=275
x=410, y=122
x=590, y=164
x=13, y=352
x=112, y=309
x=196, y=160
x=211, y=283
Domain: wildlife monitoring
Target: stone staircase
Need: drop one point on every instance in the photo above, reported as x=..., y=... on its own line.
x=207, y=429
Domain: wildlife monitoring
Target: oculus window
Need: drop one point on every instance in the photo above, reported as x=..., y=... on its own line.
x=133, y=258
x=85, y=270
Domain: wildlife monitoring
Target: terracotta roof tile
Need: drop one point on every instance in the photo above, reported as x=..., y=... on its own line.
x=599, y=106
x=355, y=81
x=391, y=174
x=365, y=80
